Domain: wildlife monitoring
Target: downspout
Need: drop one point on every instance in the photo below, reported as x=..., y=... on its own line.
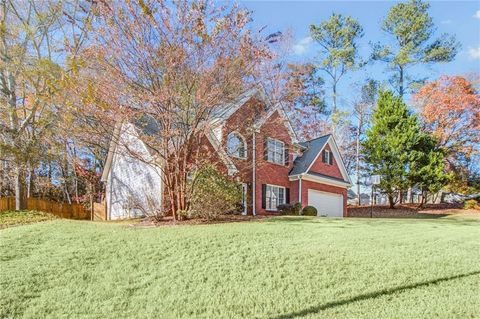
x=300, y=190
x=254, y=156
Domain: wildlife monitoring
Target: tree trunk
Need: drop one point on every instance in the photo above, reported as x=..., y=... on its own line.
x=400, y=80
x=391, y=201
x=20, y=200
x=334, y=109
x=31, y=178
x=357, y=164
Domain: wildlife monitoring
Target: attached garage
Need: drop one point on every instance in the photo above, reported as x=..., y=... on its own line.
x=327, y=204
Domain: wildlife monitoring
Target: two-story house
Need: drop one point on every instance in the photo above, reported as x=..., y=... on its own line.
x=258, y=146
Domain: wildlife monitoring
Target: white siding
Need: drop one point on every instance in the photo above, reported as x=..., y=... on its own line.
x=133, y=186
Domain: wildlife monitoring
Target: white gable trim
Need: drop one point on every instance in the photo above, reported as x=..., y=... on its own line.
x=231, y=108
x=319, y=179
x=111, y=150
x=338, y=158
x=232, y=169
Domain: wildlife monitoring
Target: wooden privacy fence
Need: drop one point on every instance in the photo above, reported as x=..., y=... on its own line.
x=99, y=211
x=71, y=211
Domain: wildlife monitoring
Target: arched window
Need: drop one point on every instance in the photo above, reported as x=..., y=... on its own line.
x=236, y=145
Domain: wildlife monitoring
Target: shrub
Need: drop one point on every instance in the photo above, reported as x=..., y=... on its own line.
x=470, y=204
x=213, y=194
x=309, y=211
x=289, y=209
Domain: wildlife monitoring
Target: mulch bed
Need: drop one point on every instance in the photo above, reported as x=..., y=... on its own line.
x=404, y=210
x=170, y=222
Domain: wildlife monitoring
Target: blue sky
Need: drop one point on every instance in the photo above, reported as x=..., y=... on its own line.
x=461, y=18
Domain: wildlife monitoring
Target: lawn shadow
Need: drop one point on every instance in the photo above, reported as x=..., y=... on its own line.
x=289, y=219
x=429, y=216
x=375, y=294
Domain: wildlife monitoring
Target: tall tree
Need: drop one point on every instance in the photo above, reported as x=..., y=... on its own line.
x=389, y=142
x=411, y=29
x=31, y=71
x=306, y=96
x=427, y=169
x=362, y=111
x=338, y=40
x=450, y=110
x=169, y=66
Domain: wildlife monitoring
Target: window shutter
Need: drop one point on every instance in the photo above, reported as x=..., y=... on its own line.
x=323, y=156
x=287, y=195
x=286, y=159
x=330, y=158
x=264, y=196
x=265, y=149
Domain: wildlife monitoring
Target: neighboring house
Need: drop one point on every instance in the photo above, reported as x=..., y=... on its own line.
x=257, y=145
x=352, y=198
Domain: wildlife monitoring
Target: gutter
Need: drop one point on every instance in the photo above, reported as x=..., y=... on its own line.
x=300, y=190
x=254, y=157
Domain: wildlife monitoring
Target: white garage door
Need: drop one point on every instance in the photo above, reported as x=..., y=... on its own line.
x=327, y=204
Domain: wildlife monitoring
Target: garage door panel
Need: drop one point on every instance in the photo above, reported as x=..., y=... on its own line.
x=327, y=204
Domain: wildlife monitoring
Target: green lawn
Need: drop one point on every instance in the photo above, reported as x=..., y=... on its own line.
x=275, y=268
x=17, y=218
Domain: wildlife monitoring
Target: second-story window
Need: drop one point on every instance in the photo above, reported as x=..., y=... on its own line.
x=275, y=151
x=327, y=157
x=236, y=145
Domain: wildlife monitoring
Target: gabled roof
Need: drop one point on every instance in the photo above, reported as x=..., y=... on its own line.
x=313, y=148
x=223, y=113
x=303, y=164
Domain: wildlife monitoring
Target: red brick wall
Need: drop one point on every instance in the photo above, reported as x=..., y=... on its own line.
x=326, y=169
x=242, y=121
x=267, y=173
x=294, y=192
x=306, y=185
x=270, y=173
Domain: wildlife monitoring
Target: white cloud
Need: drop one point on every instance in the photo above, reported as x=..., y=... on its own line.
x=477, y=14
x=301, y=46
x=474, y=53
x=446, y=22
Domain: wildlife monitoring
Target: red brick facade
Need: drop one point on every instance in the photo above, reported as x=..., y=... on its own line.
x=325, y=168
x=243, y=121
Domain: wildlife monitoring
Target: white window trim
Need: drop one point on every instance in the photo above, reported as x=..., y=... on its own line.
x=283, y=152
x=284, y=197
x=327, y=157
x=244, y=145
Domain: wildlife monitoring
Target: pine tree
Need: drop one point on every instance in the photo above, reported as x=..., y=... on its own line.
x=389, y=144
x=427, y=169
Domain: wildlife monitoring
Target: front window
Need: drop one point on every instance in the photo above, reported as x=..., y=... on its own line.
x=274, y=195
x=275, y=151
x=236, y=145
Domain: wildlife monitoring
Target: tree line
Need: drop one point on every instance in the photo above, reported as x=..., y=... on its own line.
x=71, y=70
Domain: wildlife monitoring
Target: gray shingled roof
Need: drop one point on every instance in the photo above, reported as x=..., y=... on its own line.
x=148, y=125
x=313, y=147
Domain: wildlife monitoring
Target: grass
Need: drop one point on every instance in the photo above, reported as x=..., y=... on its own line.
x=16, y=218
x=275, y=268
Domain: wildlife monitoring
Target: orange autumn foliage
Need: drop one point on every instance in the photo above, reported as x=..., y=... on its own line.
x=450, y=107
